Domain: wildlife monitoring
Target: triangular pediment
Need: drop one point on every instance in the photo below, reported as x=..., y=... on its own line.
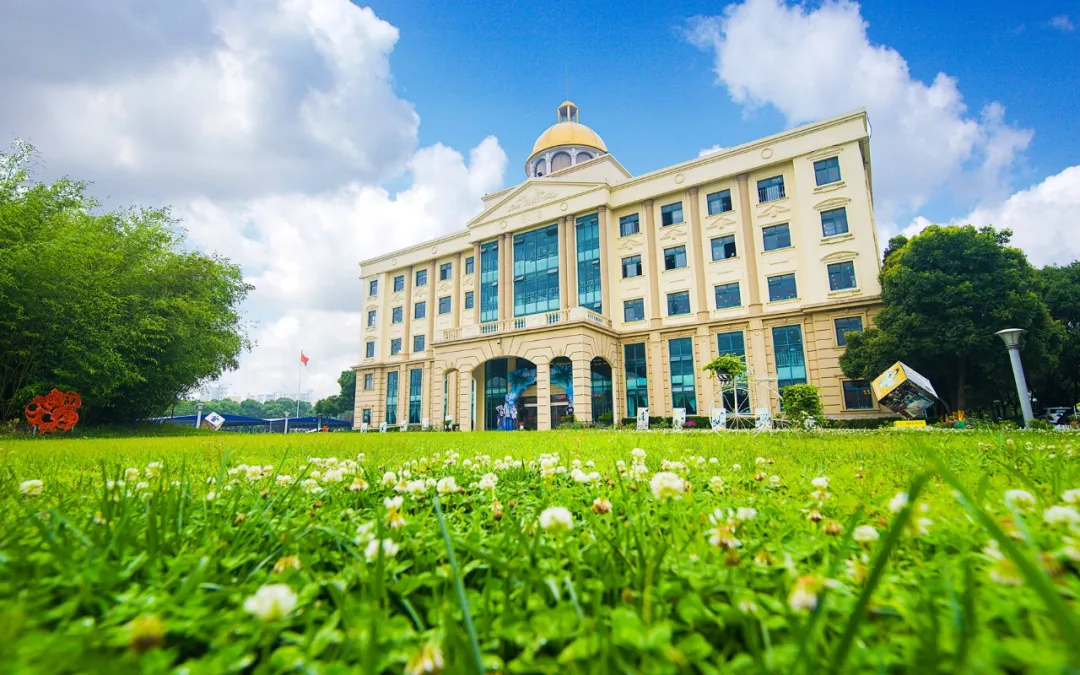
x=534, y=194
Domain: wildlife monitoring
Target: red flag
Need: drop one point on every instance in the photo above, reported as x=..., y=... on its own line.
x=303, y=359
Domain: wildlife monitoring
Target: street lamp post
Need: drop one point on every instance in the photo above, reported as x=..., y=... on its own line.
x=1011, y=338
x=198, y=415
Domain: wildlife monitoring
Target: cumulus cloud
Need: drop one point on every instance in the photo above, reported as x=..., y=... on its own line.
x=712, y=150
x=813, y=62
x=1062, y=23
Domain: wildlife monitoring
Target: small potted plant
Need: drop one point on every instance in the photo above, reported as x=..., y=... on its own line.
x=725, y=368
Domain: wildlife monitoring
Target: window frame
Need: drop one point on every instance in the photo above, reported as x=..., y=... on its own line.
x=373, y=288
x=866, y=389
x=446, y=271
x=470, y=265
x=763, y=192
x=399, y=283
x=826, y=171
x=841, y=341
x=794, y=283
x=720, y=195
x=420, y=309
x=833, y=220
x=669, y=209
x=422, y=344
x=395, y=346
x=397, y=314
x=840, y=275
x=686, y=394
x=674, y=252
x=420, y=278
x=369, y=349
x=470, y=299
x=369, y=381
x=638, y=303
x=372, y=318
x=631, y=218
x=449, y=305
x=629, y=263
x=674, y=296
x=774, y=231
x=722, y=238
x=738, y=294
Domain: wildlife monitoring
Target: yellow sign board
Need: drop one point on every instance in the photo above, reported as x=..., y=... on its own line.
x=910, y=424
x=904, y=391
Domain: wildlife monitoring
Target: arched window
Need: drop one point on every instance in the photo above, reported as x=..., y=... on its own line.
x=582, y=157
x=538, y=168
x=602, y=404
x=560, y=161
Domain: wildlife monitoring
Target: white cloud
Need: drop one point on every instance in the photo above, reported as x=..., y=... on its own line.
x=811, y=63
x=712, y=150
x=1062, y=23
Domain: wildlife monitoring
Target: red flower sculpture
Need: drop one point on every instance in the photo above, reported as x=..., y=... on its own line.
x=57, y=411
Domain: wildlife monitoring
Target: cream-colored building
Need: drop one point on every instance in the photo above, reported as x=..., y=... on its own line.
x=584, y=288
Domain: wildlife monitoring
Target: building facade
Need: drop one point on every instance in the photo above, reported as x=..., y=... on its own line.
x=589, y=291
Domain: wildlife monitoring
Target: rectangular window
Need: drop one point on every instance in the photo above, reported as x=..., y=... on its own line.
x=369, y=350
x=418, y=343
x=719, y=202
x=834, y=221
x=841, y=275
x=723, y=247
x=770, y=189
x=371, y=318
x=633, y=310
x=469, y=265
x=588, y=262
x=857, y=395
x=678, y=303
x=827, y=171
x=629, y=225
x=373, y=287
x=421, y=278
x=396, y=315
x=536, y=271
x=776, y=236
x=391, y=397
x=399, y=283
x=444, y=304
x=469, y=299
x=416, y=393
x=674, y=257
x=671, y=214
x=845, y=325
x=395, y=346
x=782, y=287
x=727, y=295
x=489, y=281
x=637, y=378
x=420, y=310
x=444, y=271
x=631, y=266
x=681, y=353
x=732, y=343
x=365, y=416
x=369, y=381
x=790, y=362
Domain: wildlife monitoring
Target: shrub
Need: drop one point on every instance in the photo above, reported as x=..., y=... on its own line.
x=725, y=365
x=800, y=402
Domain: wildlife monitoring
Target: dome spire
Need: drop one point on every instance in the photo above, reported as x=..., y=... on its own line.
x=568, y=112
x=566, y=143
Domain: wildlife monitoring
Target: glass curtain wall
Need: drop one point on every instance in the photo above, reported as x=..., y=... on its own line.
x=494, y=391
x=391, y=397
x=602, y=400
x=536, y=271
x=637, y=379
x=489, y=281
x=588, y=262
x=416, y=388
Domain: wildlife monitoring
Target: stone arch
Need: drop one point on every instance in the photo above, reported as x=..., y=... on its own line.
x=601, y=390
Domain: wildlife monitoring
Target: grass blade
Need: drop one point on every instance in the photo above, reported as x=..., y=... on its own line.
x=460, y=588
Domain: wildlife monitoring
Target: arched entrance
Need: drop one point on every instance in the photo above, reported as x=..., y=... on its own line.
x=561, y=374
x=603, y=405
x=505, y=394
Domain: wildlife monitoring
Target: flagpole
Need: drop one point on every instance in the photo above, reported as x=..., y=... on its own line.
x=299, y=378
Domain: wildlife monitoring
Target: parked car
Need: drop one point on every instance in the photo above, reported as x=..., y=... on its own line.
x=1059, y=415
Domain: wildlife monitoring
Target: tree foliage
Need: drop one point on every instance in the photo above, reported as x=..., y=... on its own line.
x=108, y=304
x=947, y=291
x=342, y=403
x=801, y=401
x=272, y=409
x=1061, y=292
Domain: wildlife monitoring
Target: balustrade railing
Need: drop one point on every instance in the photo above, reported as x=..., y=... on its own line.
x=523, y=323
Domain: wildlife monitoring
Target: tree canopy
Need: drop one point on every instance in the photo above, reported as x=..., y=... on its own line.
x=272, y=409
x=109, y=304
x=341, y=404
x=1061, y=292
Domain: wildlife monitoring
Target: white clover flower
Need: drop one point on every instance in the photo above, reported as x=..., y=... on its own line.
x=556, y=519
x=898, y=502
x=488, y=481
x=447, y=485
x=804, y=594
x=389, y=478
x=1071, y=496
x=747, y=606
x=132, y=474
x=744, y=513
x=153, y=469
x=1005, y=572
x=590, y=464
x=358, y=485
x=821, y=482
x=31, y=488
x=1058, y=515
x=921, y=527
x=1020, y=499
x=271, y=602
x=601, y=506
x=993, y=550
x=716, y=484
x=389, y=549
x=283, y=479
x=638, y=453
x=428, y=660
x=415, y=488
x=759, y=461
x=142, y=485
x=736, y=467
x=333, y=476
x=311, y=486
x=723, y=537
x=666, y=485
x=864, y=534
x=211, y=496
x=576, y=464
x=713, y=460
x=774, y=480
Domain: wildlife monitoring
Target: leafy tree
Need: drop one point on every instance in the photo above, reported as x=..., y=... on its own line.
x=946, y=292
x=1061, y=292
x=895, y=244
x=801, y=401
x=251, y=408
x=341, y=404
x=108, y=304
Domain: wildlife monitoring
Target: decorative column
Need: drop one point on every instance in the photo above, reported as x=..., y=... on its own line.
x=571, y=262
x=543, y=396
x=476, y=283
x=457, y=299
x=406, y=315
x=652, y=271
x=697, y=256
x=506, y=275
x=403, y=392
x=659, y=389
x=757, y=359
x=582, y=387
x=432, y=302
x=564, y=269
x=705, y=388
x=463, y=414
x=749, y=246
x=605, y=276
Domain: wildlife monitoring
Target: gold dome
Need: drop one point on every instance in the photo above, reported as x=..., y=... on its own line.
x=568, y=133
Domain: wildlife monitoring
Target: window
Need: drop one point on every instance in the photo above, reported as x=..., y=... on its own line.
x=396, y=315
x=719, y=202
x=841, y=275
x=469, y=299
x=845, y=325
x=629, y=225
x=399, y=283
x=420, y=310
x=418, y=343
x=369, y=350
x=678, y=303
x=495, y=385
x=588, y=262
x=416, y=393
x=857, y=395
x=421, y=278
x=681, y=353
x=391, y=397
x=776, y=236
x=444, y=271
x=790, y=363
x=633, y=310
x=727, y=295
x=373, y=287
x=369, y=381
x=827, y=171
x=671, y=214
x=371, y=318
x=444, y=304
x=365, y=416
x=395, y=346
x=770, y=189
x=489, y=281
x=834, y=221
x=470, y=264
x=637, y=378
x=674, y=257
x=737, y=398
x=723, y=247
x=732, y=343
x=782, y=287
x=631, y=266
x=536, y=271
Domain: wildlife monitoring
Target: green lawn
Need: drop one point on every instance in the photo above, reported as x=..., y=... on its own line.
x=241, y=553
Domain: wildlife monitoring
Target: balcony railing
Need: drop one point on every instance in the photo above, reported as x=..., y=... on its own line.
x=523, y=323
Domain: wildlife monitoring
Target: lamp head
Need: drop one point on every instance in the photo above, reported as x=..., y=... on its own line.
x=1010, y=336
x=198, y=406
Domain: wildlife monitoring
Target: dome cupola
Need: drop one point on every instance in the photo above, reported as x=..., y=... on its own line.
x=566, y=143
